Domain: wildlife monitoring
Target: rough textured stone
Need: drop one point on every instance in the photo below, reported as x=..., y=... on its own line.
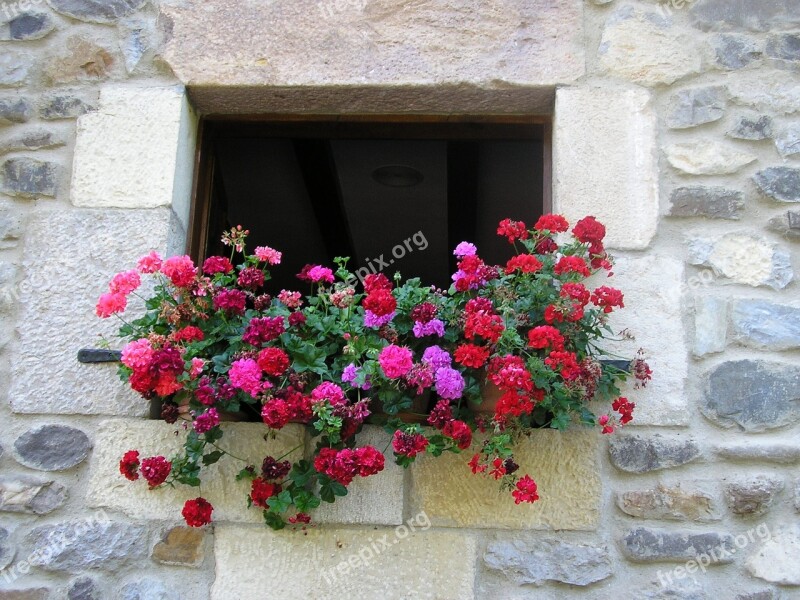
x=58, y=293
x=765, y=325
x=14, y=110
x=603, y=161
x=753, y=498
x=148, y=589
x=769, y=92
x=706, y=157
x=83, y=60
x=754, y=395
x=640, y=454
x=14, y=67
x=779, y=183
x=7, y=550
x=32, y=139
x=735, y=51
x=710, y=325
x=134, y=41
x=762, y=595
x=644, y=48
x=26, y=594
x=108, y=11
x=670, y=504
x=65, y=106
x=229, y=497
x=29, y=178
x=531, y=44
x=84, y=588
x=10, y=232
x=371, y=500
x=784, y=47
x=744, y=258
x=752, y=128
x=787, y=224
x=539, y=560
x=657, y=545
x=142, y=135
x=566, y=473
x=778, y=559
x=29, y=495
x=52, y=447
x=760, y=452
x=27, y=26
x=181, y=546
x=95, y=544
x=654, y=287
x=797, y=495
x=703, y=201
x=696, y=106
x=419, y=564
x=752, y=15
x=788, y=140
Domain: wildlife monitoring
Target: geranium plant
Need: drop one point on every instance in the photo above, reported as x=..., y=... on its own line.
x=505, y=350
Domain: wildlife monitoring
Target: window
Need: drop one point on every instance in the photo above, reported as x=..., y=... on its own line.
x=393, y=193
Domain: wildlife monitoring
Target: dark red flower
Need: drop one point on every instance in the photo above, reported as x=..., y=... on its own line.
x=589, y=231
x=231, y=301
x=217, y=264
x=297, y=318
x=608, y=298
x=525, y=491
x=526, y=263
x=471, y=355
x=263, y=329
x=459, y=432
x=512, y=230
x=552, y=223
x=251, y=278
x=273, y=361
x=261, y=491
x=129, y=465
x=377, y=281
x=155, y=470
x=380, y=302
x=409, y=444
x=197, y=512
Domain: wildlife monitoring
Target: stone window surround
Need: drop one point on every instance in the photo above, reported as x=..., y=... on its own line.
x=604, y=163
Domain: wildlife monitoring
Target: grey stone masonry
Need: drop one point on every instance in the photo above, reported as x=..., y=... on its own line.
x=659, y=545
x=640, y=454
x=538, y=560
x=753, y=395
x=779, y=183
x=753, y=498
x=693, y=107
x=703, y=201
x=765, y=325
x=52, y=447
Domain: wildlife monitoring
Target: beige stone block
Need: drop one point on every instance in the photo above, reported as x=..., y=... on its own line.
x=136, y=150
x=343, y=563
x=564, y=465
x=374, y=500
x=109, y=489
x=604, y=161
x=706, y=157
x=379, y=42
x=653, y=288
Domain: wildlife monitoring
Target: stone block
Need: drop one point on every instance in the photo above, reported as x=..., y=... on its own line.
x=376, y=500
x=646, y=48
x=635, y=453
x=755, y=497
x=82, y=61
x=766, y=325
x=788, y=140
x=745, y=258
x=752, y=128
x=604, y=161
x=787, y=224
x=29, y=178
x=779, y=183
x=710, y=325
x=704, y=201
x=733, y=52
x=753, y=395
x=14, y=109
x=182, y=546
x=52, y=447
x=25, y=494
x=361, y=564
x=109, y=11
x=564, y=466
x=108, y=489
x=696, y=106
x=135, y=151
x=27, y=25
x=378, y=43
x=778, y=558
x=748, y=15
x=707, y=157
x=65, y=105
x=57, y=298
x=536, y=561
x=653, y=287
x=669, y=503
x=775, y=452
x=661, y=545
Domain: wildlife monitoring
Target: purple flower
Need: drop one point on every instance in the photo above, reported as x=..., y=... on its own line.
x=449, y=383
x=432, y=327
x=206, y=421
x=436, y=357
x=465, y=249
x=370, y=320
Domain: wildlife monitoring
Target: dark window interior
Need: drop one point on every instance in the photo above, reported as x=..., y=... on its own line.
x=397, y=194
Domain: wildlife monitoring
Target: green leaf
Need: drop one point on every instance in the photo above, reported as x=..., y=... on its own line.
x=281, y=502
x=248, y=472
x=212, y=457
x=275, y=521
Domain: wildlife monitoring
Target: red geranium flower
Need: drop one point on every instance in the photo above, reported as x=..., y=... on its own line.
x=197, y=512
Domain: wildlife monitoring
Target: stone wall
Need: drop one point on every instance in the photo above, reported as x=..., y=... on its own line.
x=675, y=122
